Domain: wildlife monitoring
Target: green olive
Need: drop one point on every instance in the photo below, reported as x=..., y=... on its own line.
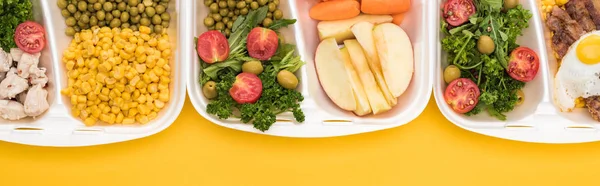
x=209, y=21
x=145, y=22
x=451, y=73
x=136, y=19
x=150, y=11
x=115, y=23
x=124, y=17
x=107, y=6
x=133, y=3
x=217, y=17
x=510, y=4
x=160, y=9
x=158, y=29
x=156, y=20
x=277, y=14
x=62, y=4
x=254, y=67
x=267, y=22
x=244, y=11
x=485, y=44
x=70, y=21
x=71, y=8
x=97, y=6
x=210, y=89
x=272, y=7
x=70, y=31
x=254, y=5
x=241, y=4
x=214, y=8
x=287, y=79
x=82, y=6
x=262, y=2
x=165, y=16
x=231, y=4
x=223, y=12
x=219, y=26
x=65, y=13
x=208, y=2
x=222, y=4
x=520, y=97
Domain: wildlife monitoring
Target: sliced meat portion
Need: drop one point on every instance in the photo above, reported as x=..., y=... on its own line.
x=566, y=30
x=593, y=7
x=593, y=105
x=561, y=43
x=577, y=11
x=567, y=23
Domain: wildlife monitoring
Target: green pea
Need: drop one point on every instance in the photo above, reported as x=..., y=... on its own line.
x=227, y=32
x=134, y=27
x=254, y=5
x=125, y=25
x=207, y=2
x=262, y=2
x=65, y=13
x=270, y=15
x=165, y=16
x=230, y=14
x=220, y=26
x=241, y=4
x=102, y=1
x=160, y=9
x=134, y=11
x=109, y=17
x=217, y=17
x=122, y=6
x=145, y=22
x=225, y=20
x=62, y=4
x=85, y=19
x=141, y=7
x=124, y=17
x=100, y=15
x=101, y=23
x=133, y=3
x=156, y=19
x=97, y=6
x=92, y=1
x=116, y=13
x=276, y=2
x=209, y=21
x=70, y=31
x=71, y=8
x=70, y=21
x=278, y=14
x=248, y=1
x=267, y=22
x=158, y=29
x=272, y=7
x=229, y=24
x=222, y=4
x=81, y=24
x=165, y=24
x=77, y=15
x=90, y=8
x=236, y=12
x=234, y=18
x=144, y=15
x=115, y=23
x=231, y=4
x=150, y=11
x=166, y=5
x=93, y=21
x=244, y=11
x=107, y=7
x=214, y=8
x=77, y=29
x=223, y=12
x=81, y=5
x=136, y=19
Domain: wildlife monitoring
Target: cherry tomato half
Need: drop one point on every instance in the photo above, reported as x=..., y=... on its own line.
x=462, y=95
x=212, y=47
x=247, y=88
x=523, y=65
x=457, y=12
x=30, y=37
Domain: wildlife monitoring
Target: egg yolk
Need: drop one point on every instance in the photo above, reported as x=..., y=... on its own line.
x=588, y=50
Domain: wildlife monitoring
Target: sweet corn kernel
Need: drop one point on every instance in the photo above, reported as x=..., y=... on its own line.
x=163, y=87
x=74, y=99
x=153, y=88
x=163, y=45
x=134, y=80
x=115, y=109
x=165, y=80
x=132, y=112
x=146, y=78
x=152, y=115
x=163, y=96
x=141, y=99
x=159, y=104
x=89, y=121
x=128, y=120
x=167, y=68
x=70, y=64
x=119, y=118
x=96, y=112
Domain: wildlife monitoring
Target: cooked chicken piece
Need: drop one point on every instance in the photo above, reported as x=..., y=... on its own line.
x=11, y=110
x=593, y=6
x=36, y=101
x=6, y=61
x=16, y=54
x=38, y=76
x=27, y=61
x=577, y=10
x=12, y=85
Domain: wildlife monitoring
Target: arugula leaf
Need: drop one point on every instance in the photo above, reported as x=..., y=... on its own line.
x=494, y=5
x=277, y=24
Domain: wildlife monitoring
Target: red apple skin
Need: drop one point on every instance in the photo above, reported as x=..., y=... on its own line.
x=262, y=43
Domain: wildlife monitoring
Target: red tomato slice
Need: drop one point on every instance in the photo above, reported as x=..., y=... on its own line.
x=262, y=43
x=457, y=12
x=247, y=88
x=212, y=47
x=523, y=65
x=462, y=95
x=30, y=37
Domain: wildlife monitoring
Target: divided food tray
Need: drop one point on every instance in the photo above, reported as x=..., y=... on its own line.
x=57, y=127
x=323, y=118
x=538, y=119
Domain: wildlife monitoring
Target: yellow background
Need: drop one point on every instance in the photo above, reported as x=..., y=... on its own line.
x=428, y=151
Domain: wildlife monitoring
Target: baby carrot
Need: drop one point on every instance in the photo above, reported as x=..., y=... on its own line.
x=384, y=6
x=335, y=10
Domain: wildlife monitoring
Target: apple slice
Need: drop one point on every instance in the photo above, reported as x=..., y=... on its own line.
x=340, y=29
x=362, y=102
x=333, y=76
x=359, y=61
x=395, y=55
x=364, y=35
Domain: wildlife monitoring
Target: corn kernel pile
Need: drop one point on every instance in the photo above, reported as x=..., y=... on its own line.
x=548, y=4
x=117, y=76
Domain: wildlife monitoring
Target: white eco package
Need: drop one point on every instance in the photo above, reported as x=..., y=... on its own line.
x=323, y=118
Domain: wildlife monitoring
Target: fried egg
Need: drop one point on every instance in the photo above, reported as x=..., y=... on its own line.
x=579, y=73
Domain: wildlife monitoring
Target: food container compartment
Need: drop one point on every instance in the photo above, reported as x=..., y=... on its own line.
x=537, y=119
x=323, y=117
x=58, y=127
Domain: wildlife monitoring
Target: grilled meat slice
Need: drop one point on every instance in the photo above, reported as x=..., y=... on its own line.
x=593, y=7
x=561, y=43
x=571, y=26
x=593, y=105
x=578, y=11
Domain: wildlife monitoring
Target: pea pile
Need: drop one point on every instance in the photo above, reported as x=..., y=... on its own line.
x=222, y=13
x=85, y=14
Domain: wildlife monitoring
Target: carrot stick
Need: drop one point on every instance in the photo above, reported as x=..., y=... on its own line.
x=398, y=18
x=335, y=10
x=384, y=6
